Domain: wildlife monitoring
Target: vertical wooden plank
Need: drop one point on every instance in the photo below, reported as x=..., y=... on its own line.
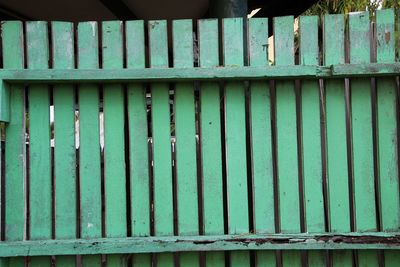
x=40, y=201
x=362, y=140
x=64, y=136
x=387, y=132
x=286, y=134
x=311, y=137
x=185, y=133
x=336, y=149
x=211, y=148
x=261, y=140
x=235, y=138
x=15, y=152
x=114, y=145
x=162, y=168
x=139, y=162
x=89, y=141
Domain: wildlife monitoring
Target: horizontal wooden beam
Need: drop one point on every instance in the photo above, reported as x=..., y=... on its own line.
x=198, y=74
x=202, y=243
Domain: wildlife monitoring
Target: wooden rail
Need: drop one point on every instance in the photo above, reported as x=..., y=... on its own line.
x=199, y=74
x=337, y=241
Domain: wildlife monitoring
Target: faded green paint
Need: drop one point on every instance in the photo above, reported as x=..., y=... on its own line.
x=336, y=143
x=214, y=242
x=286, y=135
x=228, y=73
x=39, y=140
x=64, y=139
x=362, y=136
x=138, y=145
x=211, y=148
x=15, y=151
x=114, y=141
x=261, y=139
x=235, y=138
x=387, y=132
x=185, y=133
x=311, y=138
x=291, y=243
x=162, y=169
x=89, y=141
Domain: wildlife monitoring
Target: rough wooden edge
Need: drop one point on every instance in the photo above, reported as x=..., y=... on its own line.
x=377, y=240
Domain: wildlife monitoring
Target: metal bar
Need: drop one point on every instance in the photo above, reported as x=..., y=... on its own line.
x=191, y=74
x=377, y=240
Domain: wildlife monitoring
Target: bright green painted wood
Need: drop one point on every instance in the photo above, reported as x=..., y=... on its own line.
x=114, y=143
x=387, y=132
x=235, y=138
x=64, y=139
x=286, y=134
x=139, y=161
x=89, y=141
x=185, y=133
x=40, y=200
x=211, y=153
x=15, y=152
x=261, y=139
x=336, y=149
x=162, y=171
x=311, y=137
x=362, y=139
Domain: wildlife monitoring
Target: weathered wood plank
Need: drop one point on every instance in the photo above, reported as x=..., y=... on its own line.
x=368, y=241
x=362, y=135
x=387, y=132
x=15, y=151
x=311, y=137
x=161, y=131
x=284, y=72
x=286, y=134
x=336, y=149
x=261, y=139
x=64, y=139
x=185, y=133
x=114, y=143
x=89, y=141
x=211, y=148
x=235, y=138
x=138, y=144
x=40, y=199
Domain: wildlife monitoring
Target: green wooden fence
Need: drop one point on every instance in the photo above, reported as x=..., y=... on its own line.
x=190, y=148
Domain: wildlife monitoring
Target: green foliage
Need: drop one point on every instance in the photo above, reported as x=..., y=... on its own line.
x=345, y=6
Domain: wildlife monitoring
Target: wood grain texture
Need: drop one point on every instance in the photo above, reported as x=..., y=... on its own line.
x=243, y=243
x=336, y=143
x=286, y=135
x=114, y=142
x=387, y=131
x=89, y=141
x=15, y=150
x=311, y=137
x=211, y=147
x=40, y=199
x=64, y=139
x=362, y=136
x=235, y=138
x=162, y=168
x=185, y=133
x=261, y=139
x=138, y=140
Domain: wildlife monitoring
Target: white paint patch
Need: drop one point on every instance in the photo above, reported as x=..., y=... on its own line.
x=89, y=225
x=93, y=25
